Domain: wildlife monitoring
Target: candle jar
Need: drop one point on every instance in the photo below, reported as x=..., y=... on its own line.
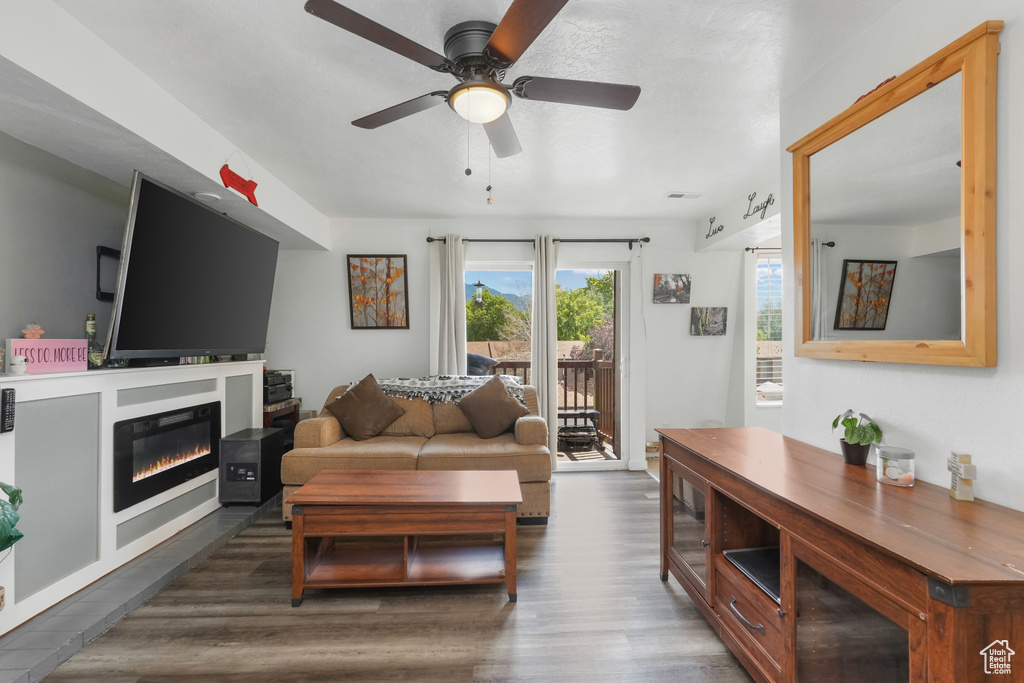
x=895, y=465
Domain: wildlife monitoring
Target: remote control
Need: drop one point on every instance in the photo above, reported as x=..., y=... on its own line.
x=7, y=410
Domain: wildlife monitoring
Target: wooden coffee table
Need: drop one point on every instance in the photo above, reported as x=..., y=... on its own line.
x=399, y=528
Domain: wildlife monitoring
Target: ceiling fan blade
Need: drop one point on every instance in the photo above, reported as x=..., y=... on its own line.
x=503, y=137
x=400, y=111
x=356, y=23
x=585, y=93
x=522, y=23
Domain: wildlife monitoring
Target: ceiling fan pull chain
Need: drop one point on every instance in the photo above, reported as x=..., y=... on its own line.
x=490, y=199
x=469, y=171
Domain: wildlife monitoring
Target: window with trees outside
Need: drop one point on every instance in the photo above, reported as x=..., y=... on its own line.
x=498, y=325
x=768, y=373
x=498, y=320
x=498, y=317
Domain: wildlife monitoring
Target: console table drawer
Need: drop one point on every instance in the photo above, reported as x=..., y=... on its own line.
x=749, y=613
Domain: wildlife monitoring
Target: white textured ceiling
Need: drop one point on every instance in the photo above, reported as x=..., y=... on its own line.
x=900, y=169
x=284, y=86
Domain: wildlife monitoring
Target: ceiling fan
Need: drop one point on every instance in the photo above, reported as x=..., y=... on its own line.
x=477, y=53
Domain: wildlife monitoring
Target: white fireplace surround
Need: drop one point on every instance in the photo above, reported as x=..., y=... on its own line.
x=72, y=534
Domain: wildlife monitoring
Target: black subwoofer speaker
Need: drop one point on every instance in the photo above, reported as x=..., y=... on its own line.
x=250, y=466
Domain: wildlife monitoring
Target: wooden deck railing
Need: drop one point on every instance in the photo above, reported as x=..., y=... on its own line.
x=582, y=385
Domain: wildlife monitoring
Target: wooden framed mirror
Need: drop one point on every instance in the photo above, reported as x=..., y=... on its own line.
x=879, y=181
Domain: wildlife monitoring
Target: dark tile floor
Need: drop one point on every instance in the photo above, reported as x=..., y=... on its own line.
x=40, y=645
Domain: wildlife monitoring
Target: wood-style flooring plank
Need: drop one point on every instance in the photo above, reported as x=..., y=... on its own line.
x=591, y=609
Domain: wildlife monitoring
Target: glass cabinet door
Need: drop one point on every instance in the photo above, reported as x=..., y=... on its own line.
x=841, y=638
x=689, y=538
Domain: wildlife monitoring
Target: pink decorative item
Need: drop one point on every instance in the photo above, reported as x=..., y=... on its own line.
x=33, y=331
x=51, y=355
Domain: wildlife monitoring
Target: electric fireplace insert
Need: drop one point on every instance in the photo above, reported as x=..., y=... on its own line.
x=157, y=452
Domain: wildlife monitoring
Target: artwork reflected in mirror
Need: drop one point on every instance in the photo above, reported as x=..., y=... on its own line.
x=865, y=289
x=891, y=189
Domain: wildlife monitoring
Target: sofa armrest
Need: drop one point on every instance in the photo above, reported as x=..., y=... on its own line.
x=317, y=432
x=531, y=430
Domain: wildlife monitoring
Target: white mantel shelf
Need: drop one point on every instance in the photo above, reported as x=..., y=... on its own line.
x=234, y=367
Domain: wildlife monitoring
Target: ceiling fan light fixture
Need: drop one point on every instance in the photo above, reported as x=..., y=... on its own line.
x=479, y=101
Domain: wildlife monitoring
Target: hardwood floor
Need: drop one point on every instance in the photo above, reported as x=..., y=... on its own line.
x=591, y=609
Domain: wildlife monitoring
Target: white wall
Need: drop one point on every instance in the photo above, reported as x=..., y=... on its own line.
x=53, y=215
x=931, y=409
x=688, y=378
x=925, y=301
x=683, y=380
x=310, y=328
x=55, y=48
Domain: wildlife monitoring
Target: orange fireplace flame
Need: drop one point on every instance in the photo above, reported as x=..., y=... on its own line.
x=168, y=461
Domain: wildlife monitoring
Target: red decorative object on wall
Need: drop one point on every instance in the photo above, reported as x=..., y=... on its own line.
x=237, y=182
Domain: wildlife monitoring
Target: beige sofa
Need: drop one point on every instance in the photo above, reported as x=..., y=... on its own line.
x=427, y=437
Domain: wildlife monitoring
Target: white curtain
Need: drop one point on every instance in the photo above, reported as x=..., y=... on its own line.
x=544, y=344
x=819, y=290
x=451, y=347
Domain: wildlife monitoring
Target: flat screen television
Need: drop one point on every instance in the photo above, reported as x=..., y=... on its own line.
x=191, y=282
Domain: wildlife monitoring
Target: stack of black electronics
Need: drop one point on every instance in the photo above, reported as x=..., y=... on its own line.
x=277, y=387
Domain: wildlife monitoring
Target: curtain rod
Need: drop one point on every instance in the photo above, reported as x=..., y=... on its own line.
x=629, y=240
x=824, y=244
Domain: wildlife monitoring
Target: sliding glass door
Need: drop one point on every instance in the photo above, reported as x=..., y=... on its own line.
x=588, y=382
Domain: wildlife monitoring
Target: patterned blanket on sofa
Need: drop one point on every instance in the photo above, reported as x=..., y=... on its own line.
x=444, y=388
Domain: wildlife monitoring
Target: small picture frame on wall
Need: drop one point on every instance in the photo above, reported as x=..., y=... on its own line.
x=378, y=291
x=671, y=288
x=708, y=321
x=865, y=289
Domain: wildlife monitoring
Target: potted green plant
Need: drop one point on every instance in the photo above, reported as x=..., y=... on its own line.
x=9, y=516
x=861, y=432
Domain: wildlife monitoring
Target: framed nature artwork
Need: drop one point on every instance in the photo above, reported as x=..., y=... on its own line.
x=671, y=288
x=708, y=321
x=378, y=291
x=865, y=288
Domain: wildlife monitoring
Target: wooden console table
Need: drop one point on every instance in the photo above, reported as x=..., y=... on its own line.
x=289, y=407
x=396, y=528
x=811, y=570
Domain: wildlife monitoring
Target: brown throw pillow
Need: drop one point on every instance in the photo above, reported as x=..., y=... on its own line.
x=365, y=410
x=417, y=421
x=490, y=409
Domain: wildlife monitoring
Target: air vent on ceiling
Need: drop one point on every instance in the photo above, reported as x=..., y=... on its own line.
x=684, y=195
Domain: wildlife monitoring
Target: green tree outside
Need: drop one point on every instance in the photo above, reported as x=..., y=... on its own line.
x=578, y=313
x=487, y=322
x=769, y=321
x=603, y=291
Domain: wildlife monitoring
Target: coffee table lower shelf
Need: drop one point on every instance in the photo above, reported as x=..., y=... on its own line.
x=429, y=564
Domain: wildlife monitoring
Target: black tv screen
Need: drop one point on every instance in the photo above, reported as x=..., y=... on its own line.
x=192, y=282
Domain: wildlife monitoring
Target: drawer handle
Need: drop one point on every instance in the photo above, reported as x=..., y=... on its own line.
x=732, y=606
x=704, y=543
